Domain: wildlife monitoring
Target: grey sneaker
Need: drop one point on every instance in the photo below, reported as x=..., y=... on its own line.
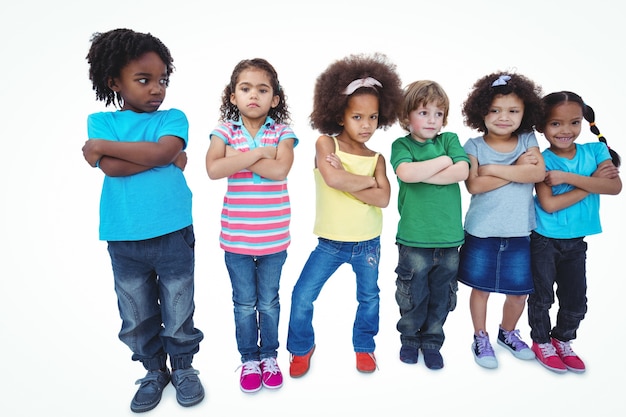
x=483, y=352
x=512, y=341
x=189, y=390
x=150, y=390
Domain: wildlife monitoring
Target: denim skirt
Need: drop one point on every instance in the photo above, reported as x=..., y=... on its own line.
x=496, y=264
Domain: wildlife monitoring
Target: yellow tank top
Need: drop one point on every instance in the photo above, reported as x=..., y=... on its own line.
x=339, y=215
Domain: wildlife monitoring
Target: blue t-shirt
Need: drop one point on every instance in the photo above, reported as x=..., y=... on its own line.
x=580, y=219
x=151, y=203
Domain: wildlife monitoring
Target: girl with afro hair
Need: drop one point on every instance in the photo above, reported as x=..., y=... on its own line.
x=353, y=98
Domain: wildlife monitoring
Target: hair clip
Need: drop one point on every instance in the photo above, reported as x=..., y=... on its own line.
x=361, y=82
x=501, y=80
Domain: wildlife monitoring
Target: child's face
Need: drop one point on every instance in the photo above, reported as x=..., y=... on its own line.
x=563, y=126
x=253, y=95
x=360, y=119
x=426, y=121
x=505, y=115
x=142, y=83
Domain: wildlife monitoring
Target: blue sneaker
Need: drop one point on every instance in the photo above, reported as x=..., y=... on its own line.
x=189, y=390
x=512, y=341
x=483, y=352
x=409, y=354
x=150, y=390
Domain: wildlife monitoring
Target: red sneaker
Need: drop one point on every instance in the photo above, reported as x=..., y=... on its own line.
x=567, y=355
x=547, y=356
x=299, y=365
x=365, y=362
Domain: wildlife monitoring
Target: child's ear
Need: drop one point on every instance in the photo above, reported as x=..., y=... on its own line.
x=112, y=85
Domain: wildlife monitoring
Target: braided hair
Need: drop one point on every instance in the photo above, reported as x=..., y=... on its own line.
x=553, y=99
x=113, y=50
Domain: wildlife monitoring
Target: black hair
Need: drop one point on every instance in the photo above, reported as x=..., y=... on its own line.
x=113, y=50
x=554, y=99
x=228, y=111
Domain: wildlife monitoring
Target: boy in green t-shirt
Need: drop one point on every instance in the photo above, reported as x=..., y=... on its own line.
x=429, y=166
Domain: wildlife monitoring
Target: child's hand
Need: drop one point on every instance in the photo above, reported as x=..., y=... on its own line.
x=181, y=160
x=554, y=178
x=267, y=152
x=606, y=171
x=90, y=152
x=528, y=158
x=334, y=161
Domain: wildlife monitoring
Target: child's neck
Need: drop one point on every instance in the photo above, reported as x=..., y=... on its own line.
x=501, y=143
x=253, y=125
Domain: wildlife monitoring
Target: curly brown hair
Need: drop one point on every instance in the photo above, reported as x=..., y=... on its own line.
x=478, y=102
x=330, y=102
x=228, y=111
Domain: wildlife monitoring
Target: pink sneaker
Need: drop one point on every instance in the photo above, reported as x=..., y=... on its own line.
x=567, y=355
x=547, y=356
x=250, y=380
x=272, y=377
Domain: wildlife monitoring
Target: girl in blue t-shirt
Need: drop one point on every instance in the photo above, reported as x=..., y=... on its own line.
x=567, y=206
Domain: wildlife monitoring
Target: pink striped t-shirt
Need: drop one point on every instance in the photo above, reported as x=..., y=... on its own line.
x=257, y=211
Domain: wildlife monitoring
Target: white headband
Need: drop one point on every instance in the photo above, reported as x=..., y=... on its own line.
x=361, y=82
x=502, y=80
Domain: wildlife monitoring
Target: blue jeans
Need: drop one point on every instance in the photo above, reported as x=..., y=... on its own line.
x=322, y=263
x=425, y=292
x=154, y=283
x=255, y=281
x=561, y=262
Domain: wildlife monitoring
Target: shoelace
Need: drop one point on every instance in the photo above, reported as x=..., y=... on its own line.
x=250, y=367
x=565, y=349
x=270, y=365
x=514, y=340
x=484, y=347
x=547, y=350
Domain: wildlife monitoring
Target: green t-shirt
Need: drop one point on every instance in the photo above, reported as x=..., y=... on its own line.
x=430, y=215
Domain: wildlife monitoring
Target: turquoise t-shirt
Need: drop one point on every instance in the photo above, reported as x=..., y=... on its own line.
x=580, y=219
x=430, y=215
x=151, y=203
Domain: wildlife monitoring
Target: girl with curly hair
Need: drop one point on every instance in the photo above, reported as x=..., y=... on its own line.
x=353, y=98
x=253, y=148
x=505, y=163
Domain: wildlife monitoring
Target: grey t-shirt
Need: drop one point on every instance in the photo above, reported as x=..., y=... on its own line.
x=507, y=211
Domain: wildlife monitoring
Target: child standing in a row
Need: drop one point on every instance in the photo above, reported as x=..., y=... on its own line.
x=353, y=98
x=568, y=209
x=253, y=147
x=429, y=166
x=505, y=163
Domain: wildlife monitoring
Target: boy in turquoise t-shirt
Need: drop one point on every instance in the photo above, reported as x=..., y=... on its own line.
x=429, y=166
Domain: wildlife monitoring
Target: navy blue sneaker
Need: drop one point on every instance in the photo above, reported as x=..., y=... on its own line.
x=189, y=390
x=409, y=354
x=432, y=359
x=150, y=390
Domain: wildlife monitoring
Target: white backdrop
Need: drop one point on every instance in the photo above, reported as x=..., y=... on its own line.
x=58, y=314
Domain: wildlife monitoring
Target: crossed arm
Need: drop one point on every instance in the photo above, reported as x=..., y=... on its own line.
x=375, y=190
x=438, y=171
x=604, y=180
x=117, y=159
x=267, y=161
x=529, y=168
